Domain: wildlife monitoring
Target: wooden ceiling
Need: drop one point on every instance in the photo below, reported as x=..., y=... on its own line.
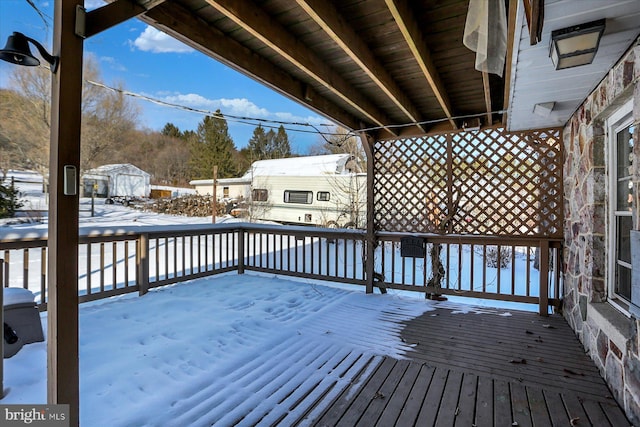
x=382, y=64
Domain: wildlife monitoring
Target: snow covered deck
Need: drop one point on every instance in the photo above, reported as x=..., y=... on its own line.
x=261, y=350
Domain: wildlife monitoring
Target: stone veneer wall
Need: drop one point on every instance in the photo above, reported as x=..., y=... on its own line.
x=608, y=336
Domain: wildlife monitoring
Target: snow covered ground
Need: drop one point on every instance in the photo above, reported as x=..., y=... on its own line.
x=217, y=349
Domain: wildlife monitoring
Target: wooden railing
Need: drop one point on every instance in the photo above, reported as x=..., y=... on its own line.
x=136, y=259
x=526, y=270
x=312, y=253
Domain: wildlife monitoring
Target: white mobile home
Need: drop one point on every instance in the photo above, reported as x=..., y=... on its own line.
x=323, y=191
x=315, y=190
x=321, y=200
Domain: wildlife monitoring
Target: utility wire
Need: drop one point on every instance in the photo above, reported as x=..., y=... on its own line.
x=253, y=121
x=228, y=117
x=45, y=18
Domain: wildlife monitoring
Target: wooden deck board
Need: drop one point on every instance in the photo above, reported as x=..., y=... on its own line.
x=431, y=402
x=400, y=397
x=539, y=410
x=484, y=402
x=467, y=401
x=379, y=401
x=521, y=412
x=550, y=356
x=413, y=404
x=448, y=409
x=474, y=383
x=358, y=406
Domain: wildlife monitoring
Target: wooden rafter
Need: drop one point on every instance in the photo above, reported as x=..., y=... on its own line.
x=328, y=18
x=259, y=24
x=113, y=14
x=410, y=30
x=180, y=23
x=534, y=13
x=511, y=32
x=487, y=97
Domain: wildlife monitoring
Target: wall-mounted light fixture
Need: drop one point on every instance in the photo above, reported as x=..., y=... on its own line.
x=17, y=51
x=576, y=45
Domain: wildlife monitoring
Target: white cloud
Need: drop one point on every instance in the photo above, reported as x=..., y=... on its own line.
x=315, y=120
x=235, y=107
x=242, y=107
x=152, y=40
x=113, y=63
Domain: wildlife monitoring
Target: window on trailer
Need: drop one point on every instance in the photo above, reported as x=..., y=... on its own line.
x=260, y=195
x=300, y=197
x=323, y=196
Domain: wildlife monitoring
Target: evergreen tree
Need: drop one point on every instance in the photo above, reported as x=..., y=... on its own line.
x=171, y=130
x=271, y=145
x=268, y=145
x=281, y=146
x=212, y=146
x=258, y=144
x=8, y=200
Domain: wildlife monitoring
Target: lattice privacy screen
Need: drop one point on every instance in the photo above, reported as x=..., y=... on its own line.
x=488, y=182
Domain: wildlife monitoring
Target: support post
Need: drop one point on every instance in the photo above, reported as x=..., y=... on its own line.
x=66, y=99
x=214, y=202
x=370, y=242
x=544, y=278
x=142, y=261
x=241, y=251
x=2, y=321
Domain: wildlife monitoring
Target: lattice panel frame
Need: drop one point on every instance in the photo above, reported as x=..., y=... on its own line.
x=488, y=182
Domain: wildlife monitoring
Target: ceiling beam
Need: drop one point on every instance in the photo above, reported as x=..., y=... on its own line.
x=534, y=12
x=410, y=30
x=487, y=97
x=511, y=45
x=259, y=24
x=111, y=14
x=327, y=17
x=178, y=22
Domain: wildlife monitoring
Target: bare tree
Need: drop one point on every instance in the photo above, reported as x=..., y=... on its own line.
x=341, y=141
x=107, y=115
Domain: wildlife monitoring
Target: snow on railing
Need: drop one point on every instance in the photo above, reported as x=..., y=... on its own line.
x=118, y=260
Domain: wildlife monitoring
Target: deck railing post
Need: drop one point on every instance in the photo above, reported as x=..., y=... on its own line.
x=370, y=241
x=2, y=321
x=142, y=264
x=544, y=278
x=241, y=251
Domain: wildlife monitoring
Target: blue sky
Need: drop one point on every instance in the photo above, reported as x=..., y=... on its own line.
x=153, y=64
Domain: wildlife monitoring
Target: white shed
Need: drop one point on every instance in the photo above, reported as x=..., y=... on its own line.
x=117, y=180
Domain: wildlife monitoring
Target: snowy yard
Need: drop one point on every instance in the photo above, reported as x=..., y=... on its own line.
x=218, y=349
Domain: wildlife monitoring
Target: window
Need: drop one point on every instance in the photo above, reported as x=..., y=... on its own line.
x=323, y=196
x=301, y=197
x=620, y=137
x=260, y=195
x=225, y=192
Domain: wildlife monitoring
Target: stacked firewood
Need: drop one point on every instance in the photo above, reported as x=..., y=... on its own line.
x=190, y=205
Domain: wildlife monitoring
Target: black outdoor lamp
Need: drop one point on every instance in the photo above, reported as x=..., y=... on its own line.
x=577, y=45
x=17, y=51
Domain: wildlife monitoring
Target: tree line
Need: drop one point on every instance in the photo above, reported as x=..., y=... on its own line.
x=112, y=133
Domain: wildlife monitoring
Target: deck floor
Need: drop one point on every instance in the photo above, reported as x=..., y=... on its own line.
x=479, y=368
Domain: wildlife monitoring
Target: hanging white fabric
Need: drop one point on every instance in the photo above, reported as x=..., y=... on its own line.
x=485, y=32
